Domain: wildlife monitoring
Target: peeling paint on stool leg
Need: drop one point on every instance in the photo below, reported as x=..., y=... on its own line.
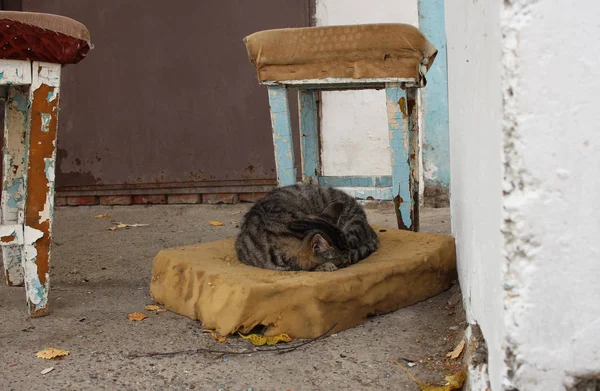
x=309, y=135
x=398, y=126
x=282, y=135
x=44, y=97
x=15, y=72
x=37, y=291
x=16, y=124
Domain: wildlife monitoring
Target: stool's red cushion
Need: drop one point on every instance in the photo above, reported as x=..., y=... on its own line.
x=42, y=37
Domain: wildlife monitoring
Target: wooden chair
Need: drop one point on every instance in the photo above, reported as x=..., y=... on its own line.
x=391, y=56
x=33, y=49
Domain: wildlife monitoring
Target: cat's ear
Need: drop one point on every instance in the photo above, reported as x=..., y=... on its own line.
x=333, y=212
x=319, y=244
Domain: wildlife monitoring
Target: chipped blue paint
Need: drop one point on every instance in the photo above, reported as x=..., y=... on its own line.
x=14, y=192
x=398, y=135
x=436, y=146
x=356, y=181
x=37, y=293
x=46, y=117
x=381, y=193
x=309, y=135
x=282, y=135
x=14, y=172
x=373, y=193
x=50, y=96
x=12, y=256
x=21, y=102
x=1, y=75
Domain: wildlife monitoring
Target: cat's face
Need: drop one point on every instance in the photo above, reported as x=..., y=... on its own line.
x=324, y=242
x=323, y=251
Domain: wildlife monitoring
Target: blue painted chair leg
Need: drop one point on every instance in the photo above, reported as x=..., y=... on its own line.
x=282, y=135
x=309, y=135
x=403, y=134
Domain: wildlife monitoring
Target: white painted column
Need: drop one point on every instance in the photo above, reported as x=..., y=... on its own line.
x=525, y=156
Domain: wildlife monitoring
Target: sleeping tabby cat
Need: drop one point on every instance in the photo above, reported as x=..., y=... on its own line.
x=305, y=227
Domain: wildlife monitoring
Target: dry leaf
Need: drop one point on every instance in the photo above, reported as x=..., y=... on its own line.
x=102, y=216
x=51, y=353
x=216, y=337
x=457, y=350
x=47, y=370
x=215, y=223
x=454, y=382
x=137, y=316
x=234, y=222
x=155, y=308
x=260, y=340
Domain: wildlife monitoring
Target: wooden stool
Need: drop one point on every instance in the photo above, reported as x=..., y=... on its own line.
x=391, y=56
x=33, y=47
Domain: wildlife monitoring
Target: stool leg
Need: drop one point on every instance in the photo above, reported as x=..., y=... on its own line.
x=43, y=97
x=309, y=135
x=414, y=154
x=14, y=165
x=282, y=135
x=404, y=142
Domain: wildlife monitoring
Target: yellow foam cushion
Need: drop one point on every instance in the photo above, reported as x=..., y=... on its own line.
x=207, y=282
x=391, y=50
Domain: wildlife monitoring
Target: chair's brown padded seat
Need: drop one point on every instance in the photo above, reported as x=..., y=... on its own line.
x=357, y=52
x=208, y=283
x=42, y=37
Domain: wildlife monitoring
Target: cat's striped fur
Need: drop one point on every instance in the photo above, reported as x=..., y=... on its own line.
x=305, y=227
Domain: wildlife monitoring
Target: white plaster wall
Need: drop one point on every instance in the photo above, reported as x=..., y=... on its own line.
x=552, y=191
x=354, y=123
x=524, y=87
x=475, y=114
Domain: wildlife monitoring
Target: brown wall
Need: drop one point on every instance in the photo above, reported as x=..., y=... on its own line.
x=167, y=98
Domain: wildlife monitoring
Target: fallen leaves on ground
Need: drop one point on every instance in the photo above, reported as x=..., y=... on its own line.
x=155, y=308
x=260, y=340
x=47, y=370
x=457, y=350
x=216, y=337
x=51, y=353
x=215, y=223
x=137, y=316
x=454, y=382
x=121, y=226
x=102, y=216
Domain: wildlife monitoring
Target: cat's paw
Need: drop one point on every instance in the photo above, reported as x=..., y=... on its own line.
x=326, y=267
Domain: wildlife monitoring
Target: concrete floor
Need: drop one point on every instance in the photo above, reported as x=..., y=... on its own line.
x=99, y=276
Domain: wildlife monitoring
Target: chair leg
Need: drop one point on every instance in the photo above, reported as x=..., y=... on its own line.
x=414, y=154
x=404, y=142
x=39, y=206
x=16, y=123
x=309, y=135
x=282, y=135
